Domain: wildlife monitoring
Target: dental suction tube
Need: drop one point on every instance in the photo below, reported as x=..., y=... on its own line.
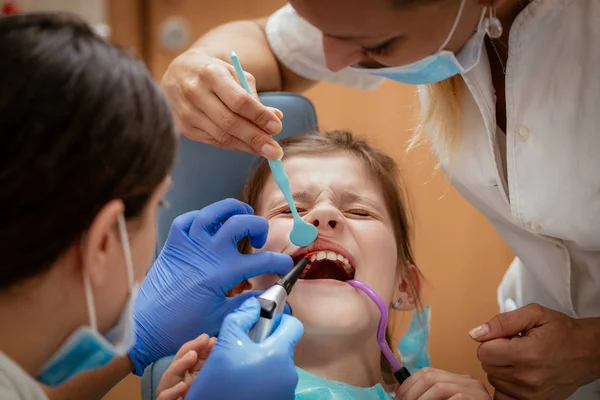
x=401, y=373
x=272, y=302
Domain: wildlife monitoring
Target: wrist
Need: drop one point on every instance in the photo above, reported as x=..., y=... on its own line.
x=137, y=361
x=589, y=340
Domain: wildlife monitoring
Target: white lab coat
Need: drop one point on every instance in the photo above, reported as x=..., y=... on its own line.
x=539, y=184
x=15, y=384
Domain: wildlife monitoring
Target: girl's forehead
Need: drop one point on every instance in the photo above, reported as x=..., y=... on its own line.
x=341, y=174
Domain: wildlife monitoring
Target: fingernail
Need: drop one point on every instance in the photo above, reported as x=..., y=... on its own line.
x=271, y=151
x=189, y=354
x=278, y=113
x=273, y=127
x=479, y=331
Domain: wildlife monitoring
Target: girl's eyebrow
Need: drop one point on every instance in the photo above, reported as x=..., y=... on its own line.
x=343, y=197
x=348, y=197
x=300, y=197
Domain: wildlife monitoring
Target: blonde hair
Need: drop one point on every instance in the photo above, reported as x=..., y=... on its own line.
x=440, y=121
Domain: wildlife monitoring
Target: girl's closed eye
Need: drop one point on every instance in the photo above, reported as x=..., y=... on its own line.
x=359, y=213
x=288, y=211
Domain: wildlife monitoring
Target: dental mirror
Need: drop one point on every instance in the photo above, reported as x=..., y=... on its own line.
x=302, y=233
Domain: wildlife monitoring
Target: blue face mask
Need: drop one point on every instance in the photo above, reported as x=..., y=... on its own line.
x=413, y=345
x=312, y=387
x=441, y=65
x=86, y=348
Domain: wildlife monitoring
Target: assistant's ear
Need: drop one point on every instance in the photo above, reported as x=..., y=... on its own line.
x=407, y=290
x=101, y=239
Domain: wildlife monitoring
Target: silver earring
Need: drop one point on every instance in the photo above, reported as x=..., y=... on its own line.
x=494, y=26
x=397, y=304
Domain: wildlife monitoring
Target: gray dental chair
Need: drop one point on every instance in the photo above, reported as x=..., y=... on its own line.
x=204, y=174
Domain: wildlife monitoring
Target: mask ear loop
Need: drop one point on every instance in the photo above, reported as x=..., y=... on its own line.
x=400, y=372
x=456, y=20
x=89, y=299
x=126, y=250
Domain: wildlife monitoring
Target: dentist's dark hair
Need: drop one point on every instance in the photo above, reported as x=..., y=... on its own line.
x=81, y=123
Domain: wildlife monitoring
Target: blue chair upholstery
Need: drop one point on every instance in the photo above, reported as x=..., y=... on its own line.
x=203, y=174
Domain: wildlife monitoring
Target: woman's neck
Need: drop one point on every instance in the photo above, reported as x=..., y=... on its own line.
x=38, y=319
x=350, y=360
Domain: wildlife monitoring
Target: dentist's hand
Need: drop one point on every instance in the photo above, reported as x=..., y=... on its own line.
x=237, y=368
x=183, y=295
x=538, y=353
x=210, y=106
x=436, y=384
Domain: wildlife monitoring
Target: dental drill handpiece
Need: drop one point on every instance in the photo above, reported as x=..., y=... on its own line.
x=272, y=302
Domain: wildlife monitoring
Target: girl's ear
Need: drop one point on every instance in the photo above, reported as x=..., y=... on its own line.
x=407, y=290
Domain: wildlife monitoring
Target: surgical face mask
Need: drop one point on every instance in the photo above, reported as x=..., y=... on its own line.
x=413, y=345
x=312, y=387
x=441, y=65
x=86, y=348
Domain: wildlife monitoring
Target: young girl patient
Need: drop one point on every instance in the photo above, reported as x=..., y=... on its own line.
x=351, y=192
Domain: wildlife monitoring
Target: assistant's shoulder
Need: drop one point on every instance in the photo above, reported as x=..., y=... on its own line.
x=15, y=384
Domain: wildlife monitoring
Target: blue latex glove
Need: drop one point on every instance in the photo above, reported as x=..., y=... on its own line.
x=183, y=295
x=240, y=369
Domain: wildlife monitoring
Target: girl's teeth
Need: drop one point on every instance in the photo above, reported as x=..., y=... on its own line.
x=330, y=255
x=305, y=272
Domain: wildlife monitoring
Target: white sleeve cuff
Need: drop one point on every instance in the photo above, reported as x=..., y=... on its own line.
x=299, y=46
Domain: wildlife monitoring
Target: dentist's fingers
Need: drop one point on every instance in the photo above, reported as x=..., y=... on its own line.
x=241, y=320
x=251, y=265
x=234, y=127
x=198, y=123
x=212, y=217
x=237, y=227
x=287, y=333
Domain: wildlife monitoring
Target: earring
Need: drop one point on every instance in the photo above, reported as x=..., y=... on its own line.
x=397, y=304
x=494, y=26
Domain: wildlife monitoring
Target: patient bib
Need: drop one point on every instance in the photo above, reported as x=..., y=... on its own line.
x=312, y=387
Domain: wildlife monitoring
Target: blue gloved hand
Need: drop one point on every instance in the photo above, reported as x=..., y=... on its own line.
x=240, y=369
x=183, y=294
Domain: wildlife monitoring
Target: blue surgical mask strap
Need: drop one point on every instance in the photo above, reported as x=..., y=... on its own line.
x=126, y=251
x=86, y=348
x=89, y=298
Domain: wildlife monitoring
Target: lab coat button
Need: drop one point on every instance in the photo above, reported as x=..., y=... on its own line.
x=522, y=132
x=533, y=227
